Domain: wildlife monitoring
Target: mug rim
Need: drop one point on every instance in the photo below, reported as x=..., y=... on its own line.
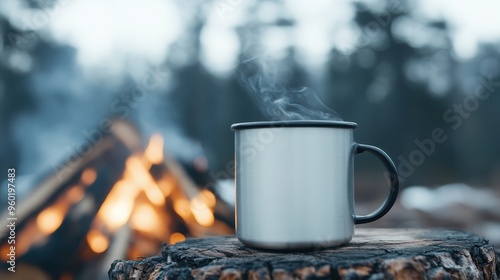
x=293, y=123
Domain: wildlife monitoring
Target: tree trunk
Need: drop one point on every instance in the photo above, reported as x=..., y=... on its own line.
x=372, y=254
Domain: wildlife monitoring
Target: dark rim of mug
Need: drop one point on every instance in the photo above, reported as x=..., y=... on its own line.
x=301, y=123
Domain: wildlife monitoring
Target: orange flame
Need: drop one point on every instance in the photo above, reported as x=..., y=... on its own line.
x=145, y=219
x=136, y=171
x=117, y=208
x=201, y=212
x=208, y=198
x=166, y=185
x=51, y=218
x=98, y=242
x=176, y=237
x=182, y=208
x=143, y=179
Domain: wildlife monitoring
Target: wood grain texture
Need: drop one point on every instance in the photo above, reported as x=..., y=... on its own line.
x=372, y=254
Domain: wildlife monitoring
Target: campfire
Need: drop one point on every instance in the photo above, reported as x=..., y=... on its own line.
x=121, y=200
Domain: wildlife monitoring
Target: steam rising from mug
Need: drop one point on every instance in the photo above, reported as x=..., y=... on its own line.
x=259, y=76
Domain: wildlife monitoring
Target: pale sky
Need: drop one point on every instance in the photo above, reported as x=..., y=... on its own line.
x=471, y=22
x=109, y=33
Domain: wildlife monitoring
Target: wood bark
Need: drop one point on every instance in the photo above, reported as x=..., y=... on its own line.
x=372, y=254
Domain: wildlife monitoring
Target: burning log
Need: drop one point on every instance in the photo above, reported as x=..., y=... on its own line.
x=372, y=254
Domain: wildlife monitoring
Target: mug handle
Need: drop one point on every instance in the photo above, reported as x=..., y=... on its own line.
x=394, y=181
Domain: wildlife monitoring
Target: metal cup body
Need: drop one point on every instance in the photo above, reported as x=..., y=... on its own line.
x=294, y=186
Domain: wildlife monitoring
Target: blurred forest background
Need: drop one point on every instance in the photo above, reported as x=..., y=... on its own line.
x=400, y=69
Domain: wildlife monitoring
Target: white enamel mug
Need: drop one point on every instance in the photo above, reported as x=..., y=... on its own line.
x=294, y=183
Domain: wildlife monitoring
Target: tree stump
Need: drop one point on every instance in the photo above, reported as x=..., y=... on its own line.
x=372, y=254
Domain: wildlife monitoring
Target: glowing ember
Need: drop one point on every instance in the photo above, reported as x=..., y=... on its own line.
x=166, y=185
x=50, y=219
x=182, y=207
x=88, y=176
x=208, y=198
x=143, y=179
x=177, y=237
x=154, y=151
x=145, y=219
x=136, y=170
x=202, y=214
x=155, y=195
x=97, y=241
x=116, y=209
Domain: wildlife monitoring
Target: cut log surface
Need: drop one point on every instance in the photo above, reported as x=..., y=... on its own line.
x=372, y=254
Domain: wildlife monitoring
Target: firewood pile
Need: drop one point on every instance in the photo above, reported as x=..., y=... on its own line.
x=120, y=200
